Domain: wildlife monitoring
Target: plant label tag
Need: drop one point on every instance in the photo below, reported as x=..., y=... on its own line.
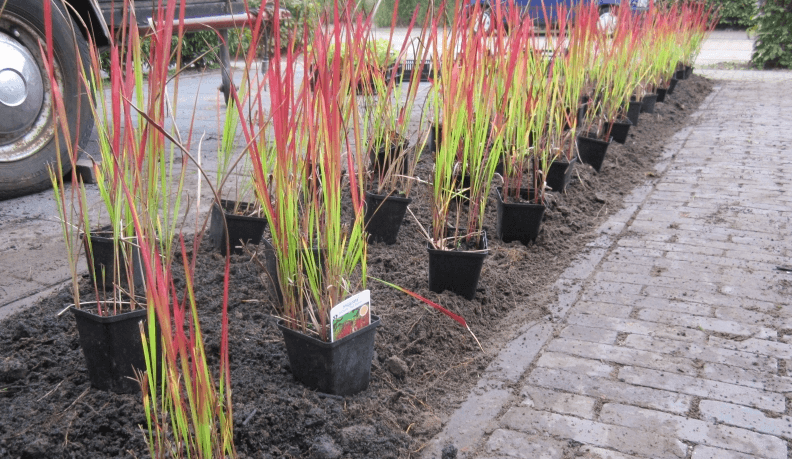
x=350, y=315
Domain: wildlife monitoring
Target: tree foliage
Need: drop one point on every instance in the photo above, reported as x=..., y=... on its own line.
x=773, y=47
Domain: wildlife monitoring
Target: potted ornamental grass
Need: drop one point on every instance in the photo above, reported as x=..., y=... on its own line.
x=392, y=160
x=319, y=256
x=136, y=175
x=466, y=158
x=236, y=219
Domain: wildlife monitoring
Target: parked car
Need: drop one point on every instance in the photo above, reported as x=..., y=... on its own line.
x=535, y=9
x=27, y=126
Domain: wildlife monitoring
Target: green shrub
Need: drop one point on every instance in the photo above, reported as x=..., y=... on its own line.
x=405, y=12
x=773, y=47
x=736, y=13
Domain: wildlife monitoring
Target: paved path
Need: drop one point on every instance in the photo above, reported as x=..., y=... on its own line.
x=672, y=334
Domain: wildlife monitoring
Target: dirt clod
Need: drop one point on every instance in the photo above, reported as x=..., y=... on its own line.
x=397, y=367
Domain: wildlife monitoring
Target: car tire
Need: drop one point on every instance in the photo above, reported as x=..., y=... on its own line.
x=28, y=151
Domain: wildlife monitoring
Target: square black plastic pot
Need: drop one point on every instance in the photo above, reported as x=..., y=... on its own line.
x=619, y=130
x=661, y=94
x=457, y=271
x=101, y=261
x=435, y=134
x=633, y=111
x=242, y=229
x=520, y=221
x=381, y=163
x=560, y=174
x=592, y=151
x=384, y=216
x=671, y=85
x=339, y=368
x=648, y=103
x=112, y=348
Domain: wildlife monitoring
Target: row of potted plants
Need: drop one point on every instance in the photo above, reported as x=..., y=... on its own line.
x=322, y=161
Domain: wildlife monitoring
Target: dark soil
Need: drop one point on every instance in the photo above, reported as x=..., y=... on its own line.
x=425, y=363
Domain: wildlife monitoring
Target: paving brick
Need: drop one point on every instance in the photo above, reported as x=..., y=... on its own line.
x=624, y=355
x=693, y=430
x=605, y=309
x=701, y=352
x=515, y=358
x=609, y=389
x=641, y=280
x=510, y=444
x=622, y=439
x=758, y=346
x=707, y=452
x=600, y=453
x=466, y=427
x=708, y=298
x=749, y=418
x=543, y=399
x=590, y=334
x=584, y=264
x=716, y=390
x=574, y=364
x=625, y=268
x=709, y=324
x=639, y=327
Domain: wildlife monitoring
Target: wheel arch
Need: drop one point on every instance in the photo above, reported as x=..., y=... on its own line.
x=88, y=16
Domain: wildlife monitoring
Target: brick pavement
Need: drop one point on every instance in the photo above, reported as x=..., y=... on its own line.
x=672, y=333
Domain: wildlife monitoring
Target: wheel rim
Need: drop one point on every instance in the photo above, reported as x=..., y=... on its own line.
x=607, y=22
x=25, y=101
x=484, y=23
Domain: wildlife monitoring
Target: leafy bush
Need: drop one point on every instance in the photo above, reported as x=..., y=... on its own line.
x=773, y=47
x=736, y=13
x=405, y=12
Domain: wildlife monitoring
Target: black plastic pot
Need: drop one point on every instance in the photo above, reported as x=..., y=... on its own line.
x=680, y=74
x=619, y=130
x=242, y=229
x=648, y=103
x=101, y=261
x=380, y=162
x=435, y=133
x=581, y=113
x=560, y=174
x=384, y=216
x=519, y=221
x=592, y=151
x=633, y=111
x=112, y=349
x=671, y=85
x=688, y=71
x=661, y=94
x=339, y=368
x=456, y=270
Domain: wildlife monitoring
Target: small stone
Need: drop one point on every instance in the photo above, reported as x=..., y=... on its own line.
x=397, y=367
x=325, y=448
x=599, y=198
x=12, y=370
x=449, y=452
